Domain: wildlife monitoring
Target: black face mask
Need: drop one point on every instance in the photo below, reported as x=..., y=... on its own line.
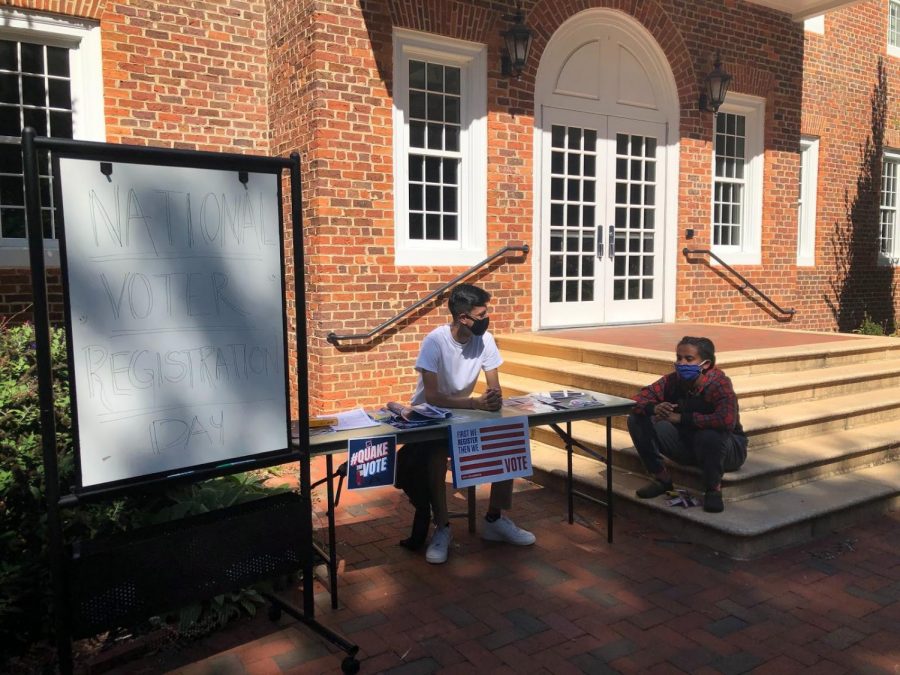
x=479, y=326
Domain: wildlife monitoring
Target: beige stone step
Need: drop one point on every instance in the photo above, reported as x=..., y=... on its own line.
x=858, y=350
x=783, y=422
x=749, y=527
x=754, y=391
x=767, y=468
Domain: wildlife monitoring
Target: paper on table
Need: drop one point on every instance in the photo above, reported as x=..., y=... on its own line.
x=353, y=419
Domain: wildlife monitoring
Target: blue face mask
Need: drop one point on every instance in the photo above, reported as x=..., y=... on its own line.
x=689, y=371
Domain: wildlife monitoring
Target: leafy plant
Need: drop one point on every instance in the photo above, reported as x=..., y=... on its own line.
x=869, y=326
x=25, y=588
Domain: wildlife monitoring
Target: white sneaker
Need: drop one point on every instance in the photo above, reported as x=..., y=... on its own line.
x=439, y=545
x=503, y=529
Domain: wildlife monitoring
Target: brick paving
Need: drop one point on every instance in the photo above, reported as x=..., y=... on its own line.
x=572, y=603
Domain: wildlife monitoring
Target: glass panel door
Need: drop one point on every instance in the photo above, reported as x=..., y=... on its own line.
x=571, y=292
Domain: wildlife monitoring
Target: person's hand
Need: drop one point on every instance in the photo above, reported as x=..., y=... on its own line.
x=491, y=399
x=667, y=412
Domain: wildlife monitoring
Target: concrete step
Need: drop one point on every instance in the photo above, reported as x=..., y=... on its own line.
x=775, y=467
x=860, y=349
x=780, y=423
x=754, y=391
x=749, y=527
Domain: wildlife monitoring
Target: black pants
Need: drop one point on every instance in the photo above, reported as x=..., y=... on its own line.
x=714, y=451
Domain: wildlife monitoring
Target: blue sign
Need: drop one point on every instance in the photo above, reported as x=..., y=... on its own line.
x=371, y=462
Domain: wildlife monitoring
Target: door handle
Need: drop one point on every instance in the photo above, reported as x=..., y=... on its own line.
x=600, y=242
x=612, y=242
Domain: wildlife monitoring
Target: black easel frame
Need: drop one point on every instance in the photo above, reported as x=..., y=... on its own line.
x=54, y=500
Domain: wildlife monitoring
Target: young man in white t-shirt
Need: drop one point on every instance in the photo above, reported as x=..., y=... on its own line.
x=449, y=363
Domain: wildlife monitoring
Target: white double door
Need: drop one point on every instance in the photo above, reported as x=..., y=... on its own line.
x=602, y=206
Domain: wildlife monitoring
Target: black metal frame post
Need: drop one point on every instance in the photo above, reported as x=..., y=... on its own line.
x=63, y=590
x=45, y=398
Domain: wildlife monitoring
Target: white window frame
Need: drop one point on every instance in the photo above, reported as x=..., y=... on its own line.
x=82, y=37
x=806, y=204
x=471, y=58
x=892, y=257
x=892, y=49
x=815, y=24
x=748, y=252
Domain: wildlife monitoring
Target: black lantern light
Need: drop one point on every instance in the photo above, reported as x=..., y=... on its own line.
x=518, y=44
x=715, y=88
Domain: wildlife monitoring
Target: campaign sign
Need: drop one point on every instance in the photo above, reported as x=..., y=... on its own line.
x=488, y=451
x=371, y=462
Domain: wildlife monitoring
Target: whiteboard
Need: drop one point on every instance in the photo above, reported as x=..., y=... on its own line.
x=176, y=310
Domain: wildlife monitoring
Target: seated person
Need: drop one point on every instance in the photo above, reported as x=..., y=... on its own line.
x=450, y=360
x=690, y=416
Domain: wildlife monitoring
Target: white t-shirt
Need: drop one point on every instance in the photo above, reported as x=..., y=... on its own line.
x=457, y=365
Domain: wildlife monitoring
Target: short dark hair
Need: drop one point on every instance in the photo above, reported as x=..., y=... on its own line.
x=466, y=296
x=705, y=347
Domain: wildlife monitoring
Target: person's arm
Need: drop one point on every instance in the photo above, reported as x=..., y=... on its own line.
x=489, y=400
x=649, y=397
x=720, y=394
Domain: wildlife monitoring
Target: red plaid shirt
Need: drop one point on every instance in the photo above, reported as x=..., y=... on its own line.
x=710, y=403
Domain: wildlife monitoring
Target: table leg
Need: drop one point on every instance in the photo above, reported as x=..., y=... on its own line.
x=470, y=498
x=570, y=482
x=609, y=485
x=309, y=605
x=332, y=537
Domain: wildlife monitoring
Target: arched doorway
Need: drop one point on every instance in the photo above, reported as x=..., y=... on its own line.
x=606, y=175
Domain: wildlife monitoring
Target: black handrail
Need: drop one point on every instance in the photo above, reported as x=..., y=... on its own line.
x=334, y=339
x=747, y=284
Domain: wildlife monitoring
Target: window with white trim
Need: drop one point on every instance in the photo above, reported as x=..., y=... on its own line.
x=50, y=79
x=440, y=149
x=888, y=248
x=893, y=40
x=815, y=25
x=737, y=180
x=806, y=202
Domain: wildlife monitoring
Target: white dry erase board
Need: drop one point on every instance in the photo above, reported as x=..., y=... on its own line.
x=174, y=282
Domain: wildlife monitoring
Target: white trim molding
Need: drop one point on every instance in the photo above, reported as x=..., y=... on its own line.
x=806, y=206
x=470, y=244
x=82, y=38
x=746, y=251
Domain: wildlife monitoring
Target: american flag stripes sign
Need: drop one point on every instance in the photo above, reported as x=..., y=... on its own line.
x=487, y=451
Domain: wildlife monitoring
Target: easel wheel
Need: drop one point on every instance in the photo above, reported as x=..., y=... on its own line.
x=349, y=665
x=274, y=612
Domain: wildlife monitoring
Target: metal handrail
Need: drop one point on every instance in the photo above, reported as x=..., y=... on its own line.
x=747, y=283
x=334, y=339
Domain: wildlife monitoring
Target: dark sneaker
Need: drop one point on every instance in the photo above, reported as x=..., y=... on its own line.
x=712, y=502
x=654, y=488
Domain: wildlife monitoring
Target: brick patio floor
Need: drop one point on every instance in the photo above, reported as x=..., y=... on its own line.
x=573, y=603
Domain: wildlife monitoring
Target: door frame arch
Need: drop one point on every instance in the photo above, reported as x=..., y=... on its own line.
x=577, y=30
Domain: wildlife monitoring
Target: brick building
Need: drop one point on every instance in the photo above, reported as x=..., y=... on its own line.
x=421, y=157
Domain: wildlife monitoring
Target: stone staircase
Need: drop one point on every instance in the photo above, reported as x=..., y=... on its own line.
x=823, y=421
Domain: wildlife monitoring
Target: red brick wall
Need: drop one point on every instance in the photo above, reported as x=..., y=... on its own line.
x=316, y=77
x=175, y=74
x=840, y=86
x=340, y=106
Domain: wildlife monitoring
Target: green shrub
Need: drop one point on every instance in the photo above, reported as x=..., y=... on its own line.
x=25, y=588
x=869, y=326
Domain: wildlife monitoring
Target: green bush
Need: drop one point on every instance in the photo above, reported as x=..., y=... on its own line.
x=869, y=326
x=25, y=588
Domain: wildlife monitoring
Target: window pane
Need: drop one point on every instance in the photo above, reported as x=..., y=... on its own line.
x=9, y=88
x=33, y=92
x=32, y=58
x=58, y=61
x=9, y=59
x=416, y=229
x=417, y=74
x=60, y=124
x=12, y=223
